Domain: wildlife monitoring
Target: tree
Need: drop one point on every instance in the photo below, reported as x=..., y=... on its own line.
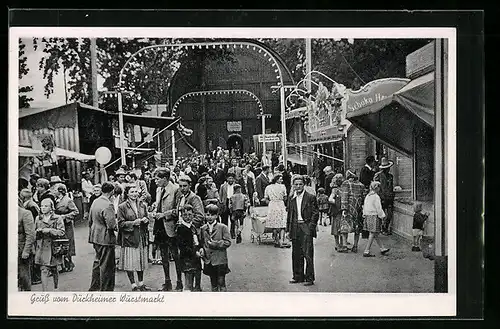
x=24, y=100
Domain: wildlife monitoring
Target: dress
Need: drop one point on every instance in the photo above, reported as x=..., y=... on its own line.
x=373, y=213
x=352, y=196
x=134, y=259
x=276, y=216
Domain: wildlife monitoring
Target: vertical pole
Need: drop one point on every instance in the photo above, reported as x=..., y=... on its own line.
x=263, y=120
x=173, y=147
x=440, y=261
x=120, y=126
x=283, y=127
x=93, y=64
x=308, y=148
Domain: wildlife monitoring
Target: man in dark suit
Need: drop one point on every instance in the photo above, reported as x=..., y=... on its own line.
x=103, y=225
x=247, y=185
x=301, y=225
x=164, y=228
x=25, y=243
x=367, y=172
x=262, y=181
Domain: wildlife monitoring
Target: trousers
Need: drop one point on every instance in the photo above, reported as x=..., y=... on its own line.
x=303, y=250
x=103, y=269
x=168, y=246
x=24, y=273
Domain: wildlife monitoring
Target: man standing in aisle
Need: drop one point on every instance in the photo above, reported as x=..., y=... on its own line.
x=25, y=244
x=164, y=228
x=225, y=193
x=235, y=170
x=386, y=193
x=302, y=220
x=367, y=172
x=262, y=181
x=103, y=225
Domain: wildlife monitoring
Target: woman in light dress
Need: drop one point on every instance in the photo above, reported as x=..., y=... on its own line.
x=275, y=193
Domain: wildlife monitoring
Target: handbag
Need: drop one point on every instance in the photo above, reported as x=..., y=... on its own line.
x=60, y=247
x=345, y=226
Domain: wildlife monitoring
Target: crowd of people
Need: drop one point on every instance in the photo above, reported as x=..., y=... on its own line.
x=192, y=212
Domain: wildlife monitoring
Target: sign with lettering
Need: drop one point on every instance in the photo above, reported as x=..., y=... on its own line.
x=270, y=138
x=234, y=126
x=373, y=92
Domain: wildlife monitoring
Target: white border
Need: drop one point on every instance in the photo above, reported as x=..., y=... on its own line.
x=241, y=304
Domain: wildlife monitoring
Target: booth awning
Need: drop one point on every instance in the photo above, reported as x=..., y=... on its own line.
x=73, y=155
x=394, y=119
x=147, y=121
x=29, y=152
x=295, y=158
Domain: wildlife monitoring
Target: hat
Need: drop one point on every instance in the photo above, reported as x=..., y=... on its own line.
x=236, y=186
x=350, y=173
x=384, y=163
x=327, y=168
x=120, y=171
x=55, y=179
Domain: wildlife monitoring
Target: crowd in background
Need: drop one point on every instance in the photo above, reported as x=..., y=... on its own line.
x=191, y=212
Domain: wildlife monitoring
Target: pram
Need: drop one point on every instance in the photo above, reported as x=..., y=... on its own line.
x=260, y=232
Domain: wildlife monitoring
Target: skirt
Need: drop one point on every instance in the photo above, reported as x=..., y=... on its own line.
x=134, y=259
x=372, y=224
x=336, y=224
x=216, y=270
x=276, y=216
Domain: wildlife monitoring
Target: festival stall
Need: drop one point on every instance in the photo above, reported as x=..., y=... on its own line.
x=399, y=113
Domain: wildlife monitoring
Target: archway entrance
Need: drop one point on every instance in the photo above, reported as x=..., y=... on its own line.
x=235, y=145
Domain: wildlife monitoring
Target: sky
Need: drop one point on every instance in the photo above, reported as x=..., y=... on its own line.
x=35, y=78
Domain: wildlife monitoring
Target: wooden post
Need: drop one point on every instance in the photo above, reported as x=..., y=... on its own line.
x=93, y=63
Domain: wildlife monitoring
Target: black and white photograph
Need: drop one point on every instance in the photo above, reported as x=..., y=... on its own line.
x=251, y=166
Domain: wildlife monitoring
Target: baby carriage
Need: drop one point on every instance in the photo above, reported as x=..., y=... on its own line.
x=260, y=232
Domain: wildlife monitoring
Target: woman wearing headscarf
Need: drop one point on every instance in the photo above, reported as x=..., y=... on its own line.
x=133, y=237
x=67, y=210
x=352, y=195
x=48, y=227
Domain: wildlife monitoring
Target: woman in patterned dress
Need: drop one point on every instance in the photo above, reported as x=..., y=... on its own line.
x=275, y=193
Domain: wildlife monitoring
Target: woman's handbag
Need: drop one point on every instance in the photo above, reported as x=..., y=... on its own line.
x=60, y=247
x=345, y=226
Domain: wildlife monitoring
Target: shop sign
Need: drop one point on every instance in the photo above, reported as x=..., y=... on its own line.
x=233, y=126
x=373, y=92
x=270, y=138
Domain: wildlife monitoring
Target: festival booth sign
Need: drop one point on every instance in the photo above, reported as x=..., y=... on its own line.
x=392, y=110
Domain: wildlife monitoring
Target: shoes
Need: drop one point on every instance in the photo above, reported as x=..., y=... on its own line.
x=343, y=250
x=417, y=249
x=136, y=288
x=144, y=288
x=413, y=248
x=150, y=261
x=35, y=282
x=166, y=287
x=197, y=289
x=385, y=251
x=354, y=249
x=367, y=254
x=308, y=283
x=179, y=286
x=292, y=281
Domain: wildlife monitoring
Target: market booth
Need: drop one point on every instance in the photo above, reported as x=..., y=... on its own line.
x=400, y=114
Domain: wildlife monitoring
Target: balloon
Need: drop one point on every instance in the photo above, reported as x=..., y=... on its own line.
x=103, y=155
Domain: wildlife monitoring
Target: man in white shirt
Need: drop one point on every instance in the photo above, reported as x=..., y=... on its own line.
x=302, y=220
x=87, y=189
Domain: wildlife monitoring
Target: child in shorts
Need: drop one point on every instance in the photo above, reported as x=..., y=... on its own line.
x=419, y=219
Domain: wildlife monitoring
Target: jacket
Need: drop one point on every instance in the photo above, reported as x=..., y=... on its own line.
x=102, y=222
x=223, y=196
x=43, y=254
x=236, y=171
x=366, y=176
x=167, y=205
x=198, y=209
x=248, y=188
x=25, y=232
x=129, y=235
x=309, y=212
x=261, y=183
x=67, y=210
x=216, y=243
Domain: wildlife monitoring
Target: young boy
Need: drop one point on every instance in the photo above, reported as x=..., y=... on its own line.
x=238, y=205
x=419, y=219
x=324, y=207
x=189, y=244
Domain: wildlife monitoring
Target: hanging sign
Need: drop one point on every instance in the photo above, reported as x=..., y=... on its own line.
x=233, y=126
x=373, y=92
x=270, y=138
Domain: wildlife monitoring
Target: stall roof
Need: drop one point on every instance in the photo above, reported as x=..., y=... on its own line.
x=393, y=119
x=140, y=120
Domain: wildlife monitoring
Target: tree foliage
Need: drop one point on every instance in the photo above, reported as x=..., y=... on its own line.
x=24, y=100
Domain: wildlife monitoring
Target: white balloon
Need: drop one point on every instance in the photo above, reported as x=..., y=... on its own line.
x=103, y=155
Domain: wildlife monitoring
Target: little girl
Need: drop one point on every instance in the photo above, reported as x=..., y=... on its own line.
x=189, y=246
x=215, y=239
x=324, y=206
x=49, y=227
x=373, y=214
